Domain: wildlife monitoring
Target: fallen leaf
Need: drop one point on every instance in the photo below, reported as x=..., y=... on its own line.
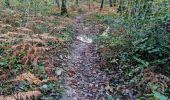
x=71, y=73
x=22, y=96
x=29, y=77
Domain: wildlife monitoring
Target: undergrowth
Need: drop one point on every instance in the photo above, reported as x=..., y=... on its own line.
x=136, y=48
x=28, y=45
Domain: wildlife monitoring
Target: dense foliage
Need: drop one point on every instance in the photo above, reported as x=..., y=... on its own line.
x=141, y=39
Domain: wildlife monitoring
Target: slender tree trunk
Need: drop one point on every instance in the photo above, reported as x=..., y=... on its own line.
x=58, y=3
x=89, y=3
x=121, y=7
x=111, y=3
x=102, y=3
x=101, y=6
x=114, y=2
x=77, y=2
x=63, y=7
x=7, y=3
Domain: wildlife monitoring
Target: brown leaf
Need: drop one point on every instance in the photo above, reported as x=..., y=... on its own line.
x=71, y=73
x=13, y=34
x=29, y=77
x=22, y=96
x=73, y=82
x=23, y=30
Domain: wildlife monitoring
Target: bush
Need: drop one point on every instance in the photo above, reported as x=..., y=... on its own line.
x=143, y=44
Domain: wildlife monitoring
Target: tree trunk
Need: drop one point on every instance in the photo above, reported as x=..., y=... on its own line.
x=101, y=6
x=110, y=2
x=77, y=2
x=121, y=7
x=58, y=3
x=89, y=3
x=114, y=2
x=7, y=4
x=102, y=3
x=63, y=8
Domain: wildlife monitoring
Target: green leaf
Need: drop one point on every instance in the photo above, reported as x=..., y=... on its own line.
x=159, y=96
x=143, y=62
x=110, y=97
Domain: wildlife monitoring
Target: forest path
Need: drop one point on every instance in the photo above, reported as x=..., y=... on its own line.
x=84, y=80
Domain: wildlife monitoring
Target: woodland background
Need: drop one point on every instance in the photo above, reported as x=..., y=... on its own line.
x=34, y=32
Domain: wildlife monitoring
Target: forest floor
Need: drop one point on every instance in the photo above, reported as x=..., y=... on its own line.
x=84, y=79
x=55, y=57
x=39, y=53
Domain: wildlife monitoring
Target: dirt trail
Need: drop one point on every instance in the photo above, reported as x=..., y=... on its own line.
x=84, y=80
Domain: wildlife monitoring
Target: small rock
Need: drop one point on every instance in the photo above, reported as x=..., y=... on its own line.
x=90, y=85
x=61, y=56
x=96, y=85
x=58, y=71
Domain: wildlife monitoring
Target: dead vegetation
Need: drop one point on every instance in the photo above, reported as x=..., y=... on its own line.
x=28, y=51
x=22, y=96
